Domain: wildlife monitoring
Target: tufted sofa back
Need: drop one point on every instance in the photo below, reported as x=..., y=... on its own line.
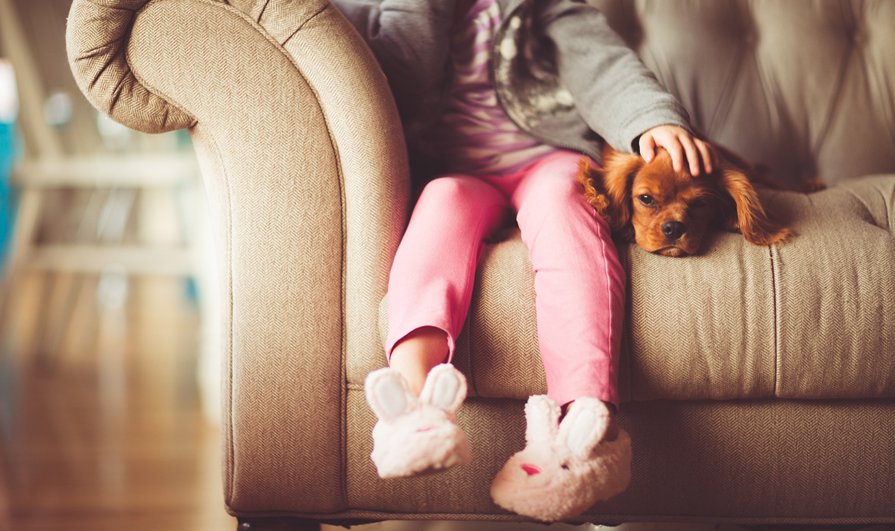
x=806, y=87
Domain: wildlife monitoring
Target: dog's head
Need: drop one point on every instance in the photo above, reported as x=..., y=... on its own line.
x=669, y=212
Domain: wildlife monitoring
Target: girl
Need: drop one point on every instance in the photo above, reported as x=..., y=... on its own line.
x=500, y=99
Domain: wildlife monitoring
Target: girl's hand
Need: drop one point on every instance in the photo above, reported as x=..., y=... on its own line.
x=680, y=144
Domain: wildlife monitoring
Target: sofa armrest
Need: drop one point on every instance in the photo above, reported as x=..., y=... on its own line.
x=305, y=170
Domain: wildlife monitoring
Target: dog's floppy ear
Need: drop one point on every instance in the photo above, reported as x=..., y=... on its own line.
x=746, y=214
x=608, y=189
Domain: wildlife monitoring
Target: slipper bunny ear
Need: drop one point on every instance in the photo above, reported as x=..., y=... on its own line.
x=445, y=388
x=584, y=426
x=387, y=394
x=541, y=420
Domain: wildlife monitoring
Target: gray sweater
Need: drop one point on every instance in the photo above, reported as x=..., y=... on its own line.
x=561, y=73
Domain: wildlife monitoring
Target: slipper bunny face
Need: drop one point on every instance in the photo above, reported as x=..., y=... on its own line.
x=417, y=434
x=564, y=468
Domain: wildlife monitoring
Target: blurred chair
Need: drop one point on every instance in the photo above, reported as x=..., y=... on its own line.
x=94, y=247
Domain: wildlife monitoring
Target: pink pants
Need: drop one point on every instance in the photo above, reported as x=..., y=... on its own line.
x=579, y=283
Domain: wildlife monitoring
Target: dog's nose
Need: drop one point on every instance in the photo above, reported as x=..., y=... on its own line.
x=673, y=230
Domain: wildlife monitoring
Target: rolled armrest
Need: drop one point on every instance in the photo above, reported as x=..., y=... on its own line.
x=304, y=165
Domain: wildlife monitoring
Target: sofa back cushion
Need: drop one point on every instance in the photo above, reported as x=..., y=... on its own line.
x=807, y=88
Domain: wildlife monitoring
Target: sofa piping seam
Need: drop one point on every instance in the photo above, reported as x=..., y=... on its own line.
x=263, y=10
x=229, y=355
x=118, y=7
x=303, y=24
x=774, y=316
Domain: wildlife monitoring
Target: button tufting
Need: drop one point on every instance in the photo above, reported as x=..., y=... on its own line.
x=812, y=77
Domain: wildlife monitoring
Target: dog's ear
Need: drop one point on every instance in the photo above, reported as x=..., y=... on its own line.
x=744, y=212
x=619, y=170
x=608, y=189
x=591, y=180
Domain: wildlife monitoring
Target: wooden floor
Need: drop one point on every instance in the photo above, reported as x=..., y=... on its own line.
x=108, y=432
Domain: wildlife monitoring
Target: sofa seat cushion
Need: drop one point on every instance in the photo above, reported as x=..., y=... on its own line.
x=811, y=319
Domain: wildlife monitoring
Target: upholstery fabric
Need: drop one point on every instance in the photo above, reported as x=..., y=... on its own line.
x=836, y=302
x=802, y=86
x=271, y=203
x=743, y=461
x=285, y=168
x=304, y=166
x=95, y=41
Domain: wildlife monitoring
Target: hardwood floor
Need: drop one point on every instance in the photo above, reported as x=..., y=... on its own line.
x=108, y=432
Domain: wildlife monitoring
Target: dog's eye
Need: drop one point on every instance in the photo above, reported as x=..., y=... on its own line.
x=646, y=200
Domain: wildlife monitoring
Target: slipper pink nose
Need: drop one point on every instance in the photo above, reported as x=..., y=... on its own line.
x=531, y=469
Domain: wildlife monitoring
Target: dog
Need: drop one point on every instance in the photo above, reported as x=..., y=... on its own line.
x=669, y=212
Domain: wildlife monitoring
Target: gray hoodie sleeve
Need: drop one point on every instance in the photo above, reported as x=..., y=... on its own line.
x=615, y=93
x=409, y=39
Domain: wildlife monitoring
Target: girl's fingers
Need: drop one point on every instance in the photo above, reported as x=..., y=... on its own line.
x=692, y=155
x=647, y=147
x=673, y=147
x=706, y=154
x=684, y=149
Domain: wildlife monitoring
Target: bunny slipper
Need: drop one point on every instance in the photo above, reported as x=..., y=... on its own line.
x=417, y=435
x=564, y=468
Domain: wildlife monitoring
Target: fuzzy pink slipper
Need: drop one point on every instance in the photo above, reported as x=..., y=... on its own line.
x=417, y=435
x=565, y=468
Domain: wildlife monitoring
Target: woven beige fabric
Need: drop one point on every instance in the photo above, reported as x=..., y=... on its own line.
x=285, y=309
x=836, y=294
x=279, y=383
x=745, y=460
x=280, y=19
x=95, y=40
x=373, y=163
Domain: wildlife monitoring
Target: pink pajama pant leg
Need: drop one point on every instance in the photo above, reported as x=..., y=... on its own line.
x=579, y=282
x=431, y=280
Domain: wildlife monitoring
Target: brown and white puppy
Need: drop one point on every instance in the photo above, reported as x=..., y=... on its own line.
x=669, y=212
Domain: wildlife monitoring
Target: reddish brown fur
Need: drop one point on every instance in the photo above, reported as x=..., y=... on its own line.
x=725, y=199
x=749, y=216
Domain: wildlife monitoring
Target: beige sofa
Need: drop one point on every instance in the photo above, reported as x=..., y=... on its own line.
x=759, y=383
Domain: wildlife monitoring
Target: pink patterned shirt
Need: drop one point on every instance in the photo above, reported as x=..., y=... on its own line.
x=475, y=133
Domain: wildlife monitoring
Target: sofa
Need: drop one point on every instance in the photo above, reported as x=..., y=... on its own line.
x=758, y=383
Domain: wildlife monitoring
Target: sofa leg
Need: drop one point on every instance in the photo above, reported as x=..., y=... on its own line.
x=276, y=524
